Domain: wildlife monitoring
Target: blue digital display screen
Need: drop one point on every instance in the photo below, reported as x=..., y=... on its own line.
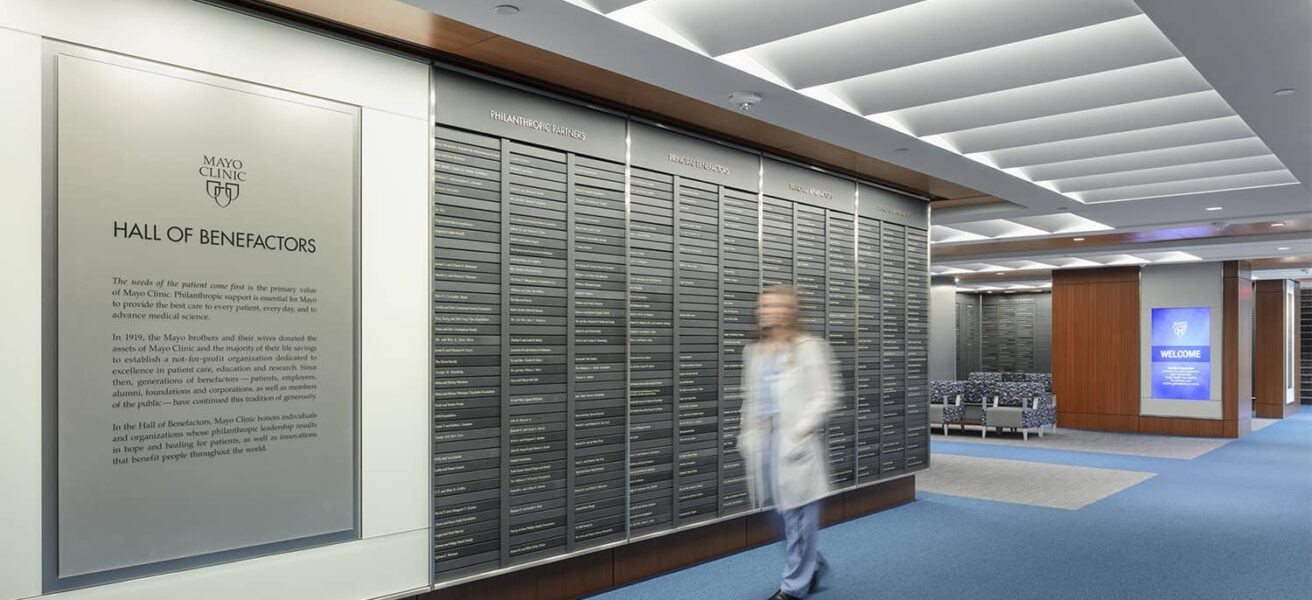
x=1182, y=353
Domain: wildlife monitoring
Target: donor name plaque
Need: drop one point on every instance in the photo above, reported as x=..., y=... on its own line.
x=204, y=408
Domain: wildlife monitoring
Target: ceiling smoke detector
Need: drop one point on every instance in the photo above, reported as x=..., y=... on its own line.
x=745, y=100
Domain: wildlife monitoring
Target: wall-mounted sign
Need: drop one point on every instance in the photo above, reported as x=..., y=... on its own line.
x=1181, y=353
x=206, y=244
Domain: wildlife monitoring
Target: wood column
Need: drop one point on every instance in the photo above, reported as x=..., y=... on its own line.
x=1095, y=348
x=1273, y=337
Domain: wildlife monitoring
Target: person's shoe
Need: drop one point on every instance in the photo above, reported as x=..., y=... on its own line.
x=820, y=570
x=780, y=595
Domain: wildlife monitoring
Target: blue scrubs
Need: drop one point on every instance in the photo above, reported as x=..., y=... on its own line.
x=801, y=525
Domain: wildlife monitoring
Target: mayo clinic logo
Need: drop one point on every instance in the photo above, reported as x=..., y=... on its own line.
x=223, y=178
x=1179, y=328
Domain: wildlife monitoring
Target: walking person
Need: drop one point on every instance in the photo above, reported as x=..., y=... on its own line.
x=789, y=388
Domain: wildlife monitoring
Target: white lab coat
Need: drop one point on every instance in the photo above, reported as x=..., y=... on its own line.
x=805, y=392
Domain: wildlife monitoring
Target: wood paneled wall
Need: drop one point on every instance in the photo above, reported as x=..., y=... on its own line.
x=1095, y=348
x=1237, y=350
x=1095, y=354
x=614, y=567
x=1272, y=302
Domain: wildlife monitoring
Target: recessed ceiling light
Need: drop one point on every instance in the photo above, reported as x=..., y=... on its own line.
x=1078, y=239
x=745, y=100
x=1277, y=224
x=1214, y=208
x=1283, y=248
x=1284, y=91
x=506, y=9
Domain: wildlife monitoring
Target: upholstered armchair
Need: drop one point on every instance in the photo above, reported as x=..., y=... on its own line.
x=1023, y=406
x=977, y=394
x=945, y=403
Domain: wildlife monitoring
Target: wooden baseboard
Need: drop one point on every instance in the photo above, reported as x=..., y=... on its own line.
x=1157, y=425
x=613, y=567
x=1275, y=411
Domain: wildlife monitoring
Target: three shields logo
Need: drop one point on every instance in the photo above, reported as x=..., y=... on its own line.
x=223, y=178
x=222, y=193
x=1179, y=328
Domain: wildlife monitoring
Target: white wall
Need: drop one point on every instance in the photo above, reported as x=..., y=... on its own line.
x=943, y=328
x=393, y=555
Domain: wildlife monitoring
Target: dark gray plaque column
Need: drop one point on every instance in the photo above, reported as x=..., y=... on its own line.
x=740, y=285
x=917, y=349
x=539, y=412
x=651, y=347
x=840, y=327
x=776, y=242
x=600, y=383
x=468, y=266
x=698, y=345
x=869, y=385
x=893, y=354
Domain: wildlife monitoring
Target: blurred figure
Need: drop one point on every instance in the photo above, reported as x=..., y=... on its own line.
x=789, y=388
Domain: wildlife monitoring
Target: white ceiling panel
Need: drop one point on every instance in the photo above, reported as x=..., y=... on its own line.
x=1062, y=223
x=723, y=26
x=1156, y=138
x=1131, y=84
x=940, y=233
x=1193, y=186
x=923, y=32
x=1234, y=166
x=1026, y=265
x=1148, y=159
x=999, y=229
x=1131, y=116
x=606, y=6
x=1102, y=47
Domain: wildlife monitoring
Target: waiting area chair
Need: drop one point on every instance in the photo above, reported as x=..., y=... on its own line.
x=1020, y=401
x=945, y=406
x=1022, y=406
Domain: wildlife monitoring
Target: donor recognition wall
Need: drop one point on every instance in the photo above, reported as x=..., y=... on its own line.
x=594, y=285
x=205, y=244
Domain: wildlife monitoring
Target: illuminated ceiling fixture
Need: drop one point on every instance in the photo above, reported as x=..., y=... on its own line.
x=1168, y=257
x=1016, y=227
x=949, y=270
x=1072, y=261
x=1086, y=98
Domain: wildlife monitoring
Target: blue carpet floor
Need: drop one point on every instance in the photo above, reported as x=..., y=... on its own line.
x=1235, y=523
